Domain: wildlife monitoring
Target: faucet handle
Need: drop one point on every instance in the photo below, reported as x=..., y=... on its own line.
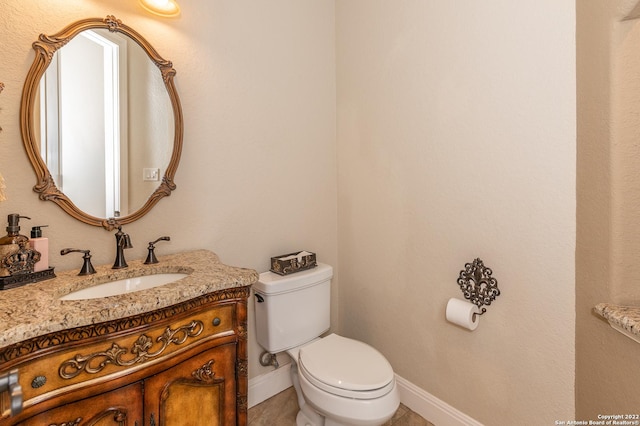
x=87, y=267
x=151, y=256
x=124, y=240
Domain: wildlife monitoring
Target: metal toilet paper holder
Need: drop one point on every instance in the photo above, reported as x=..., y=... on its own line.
x=477, y=284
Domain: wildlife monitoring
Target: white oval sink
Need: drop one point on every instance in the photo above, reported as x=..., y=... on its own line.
x=123, y=286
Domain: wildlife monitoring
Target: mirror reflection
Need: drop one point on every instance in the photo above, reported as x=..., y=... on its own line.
x=105, y=128
x=102, y=123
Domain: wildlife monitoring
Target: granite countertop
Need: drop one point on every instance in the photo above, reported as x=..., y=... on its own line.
x=34, y=309
x=625, y=319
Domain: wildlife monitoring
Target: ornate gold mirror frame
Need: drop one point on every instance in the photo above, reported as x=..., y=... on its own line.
x=45, y=48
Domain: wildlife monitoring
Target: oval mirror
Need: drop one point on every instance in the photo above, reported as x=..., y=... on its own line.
x=101, y=122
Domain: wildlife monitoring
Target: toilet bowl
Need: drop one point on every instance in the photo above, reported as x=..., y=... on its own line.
x=346, y=381
x=338, y=381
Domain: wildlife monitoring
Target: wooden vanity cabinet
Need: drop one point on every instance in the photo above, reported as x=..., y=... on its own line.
x=181, y=365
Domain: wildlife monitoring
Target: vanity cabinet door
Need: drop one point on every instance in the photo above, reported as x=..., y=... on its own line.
x=120, y=407
x=198, y=391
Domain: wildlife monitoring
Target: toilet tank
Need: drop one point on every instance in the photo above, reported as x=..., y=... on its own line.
x=293, y=309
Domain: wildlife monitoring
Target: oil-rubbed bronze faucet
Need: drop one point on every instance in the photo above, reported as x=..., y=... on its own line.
x=87, y=267
x=151, y=256
x=123, y=241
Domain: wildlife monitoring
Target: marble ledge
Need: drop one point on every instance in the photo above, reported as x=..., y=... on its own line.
x=34, y=309
x=625, y=319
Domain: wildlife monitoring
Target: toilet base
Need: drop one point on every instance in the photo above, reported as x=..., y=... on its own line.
x=303, y=419
x=330, y=422
x=311, y=415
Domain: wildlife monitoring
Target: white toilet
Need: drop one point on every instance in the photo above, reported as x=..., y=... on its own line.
x=339, y=381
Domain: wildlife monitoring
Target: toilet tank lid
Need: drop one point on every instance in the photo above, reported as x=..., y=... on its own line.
x=270, y=283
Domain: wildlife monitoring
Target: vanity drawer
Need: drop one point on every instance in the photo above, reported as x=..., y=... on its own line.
x=76, y=365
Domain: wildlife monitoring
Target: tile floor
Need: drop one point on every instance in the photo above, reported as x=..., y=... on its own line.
x=281, y=410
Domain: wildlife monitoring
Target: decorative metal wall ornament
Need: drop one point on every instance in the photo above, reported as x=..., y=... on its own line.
x=477, y=284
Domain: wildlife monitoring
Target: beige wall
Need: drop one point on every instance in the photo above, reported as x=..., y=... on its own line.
x=456, y=140
x=258, y=171
x=608, y=66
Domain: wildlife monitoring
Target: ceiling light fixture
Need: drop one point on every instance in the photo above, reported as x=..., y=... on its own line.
x=164, y=8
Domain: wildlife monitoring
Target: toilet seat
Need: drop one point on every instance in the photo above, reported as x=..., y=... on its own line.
x=346, y=367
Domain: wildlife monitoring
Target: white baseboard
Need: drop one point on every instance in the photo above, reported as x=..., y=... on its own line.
x=431, y=408
x=269, y=384
x=416, y=399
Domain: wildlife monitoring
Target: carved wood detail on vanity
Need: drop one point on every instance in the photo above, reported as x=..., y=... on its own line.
x=242, y=365
x=205, y=373
x=97, y=361
x=75, y=422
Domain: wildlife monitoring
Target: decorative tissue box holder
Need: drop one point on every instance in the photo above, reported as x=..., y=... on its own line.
x=290, y=263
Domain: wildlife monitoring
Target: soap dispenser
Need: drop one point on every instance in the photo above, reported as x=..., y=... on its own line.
x=13, y=236
x=41, y=245
x=12, y=242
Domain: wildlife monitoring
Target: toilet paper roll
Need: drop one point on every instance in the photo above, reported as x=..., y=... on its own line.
x=462, y=313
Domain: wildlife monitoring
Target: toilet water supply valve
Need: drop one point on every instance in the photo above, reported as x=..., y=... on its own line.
x=9, y=383
x=267, y=359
